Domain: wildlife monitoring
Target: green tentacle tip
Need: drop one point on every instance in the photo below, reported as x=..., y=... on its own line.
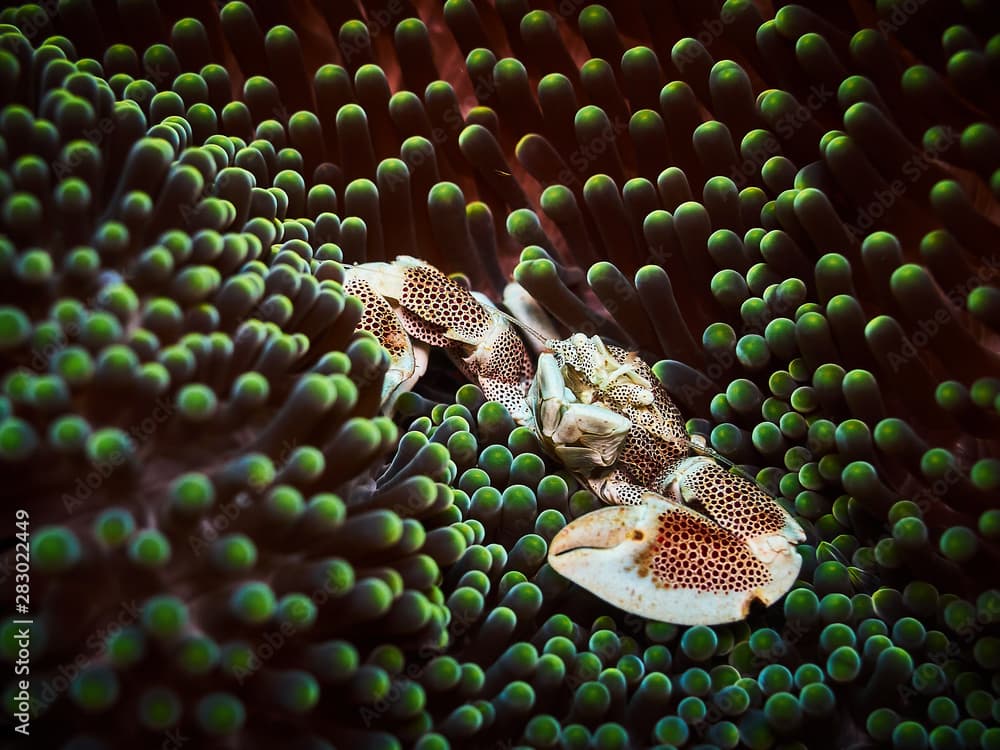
x=95, y=689
x=252, y=603
x=82, y=262
x=160, y=709
x=125, y=647
x=305, y=465
x=783, y=712
x=298, y=611
x=149, y=548
x=117, y=365
x=591, y=699
x=15, y=327
x=910, y=533
x=197, y=655
x=74, y=365
x=34, y=266
x=699, y=643
x=100, y=329
x=18, y=439
x=958, y=543
x=113, y=527
x=296, y=691
x=191, y=494
x=909, y=734
x=55, y=549
x=989, y=524
x=221, y=714
x=237, y=659
x=881, y=723
x=843, y=664
x=164, y=616
x=543, y=731
x=109, y=448
x=284, y=504
x=985, y=474
x=692, y=710
x=234, y=553
x=942, y=710
x=68, y=434
x=695, y=681
x=197, y=403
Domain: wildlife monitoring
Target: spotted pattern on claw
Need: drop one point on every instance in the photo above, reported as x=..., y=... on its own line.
x=423, y=331
x=730, y=500
x=506, y=361
x=378, y=317
x=505, y=372
x=438, y=311
x=691, y=552
x=437, y=299
x=627, y=490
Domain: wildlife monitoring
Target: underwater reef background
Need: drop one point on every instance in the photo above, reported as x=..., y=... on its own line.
x=792, y=209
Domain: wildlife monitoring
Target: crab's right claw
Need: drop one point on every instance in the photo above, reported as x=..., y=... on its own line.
x=663, y=561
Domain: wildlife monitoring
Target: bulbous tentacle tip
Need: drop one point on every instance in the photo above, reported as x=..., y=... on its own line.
x=666, y=562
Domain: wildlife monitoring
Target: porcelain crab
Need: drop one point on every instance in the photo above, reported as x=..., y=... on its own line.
x=683, y=540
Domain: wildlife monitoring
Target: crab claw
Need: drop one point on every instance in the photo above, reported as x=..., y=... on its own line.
x=737, y=504
x=407, y=363
x=663, y=561
x=433, y=309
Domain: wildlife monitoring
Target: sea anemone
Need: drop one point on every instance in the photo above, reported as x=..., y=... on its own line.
x=792, y=211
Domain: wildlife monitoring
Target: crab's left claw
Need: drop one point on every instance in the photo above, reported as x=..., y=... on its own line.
x=433, y=309
x=663, y=561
